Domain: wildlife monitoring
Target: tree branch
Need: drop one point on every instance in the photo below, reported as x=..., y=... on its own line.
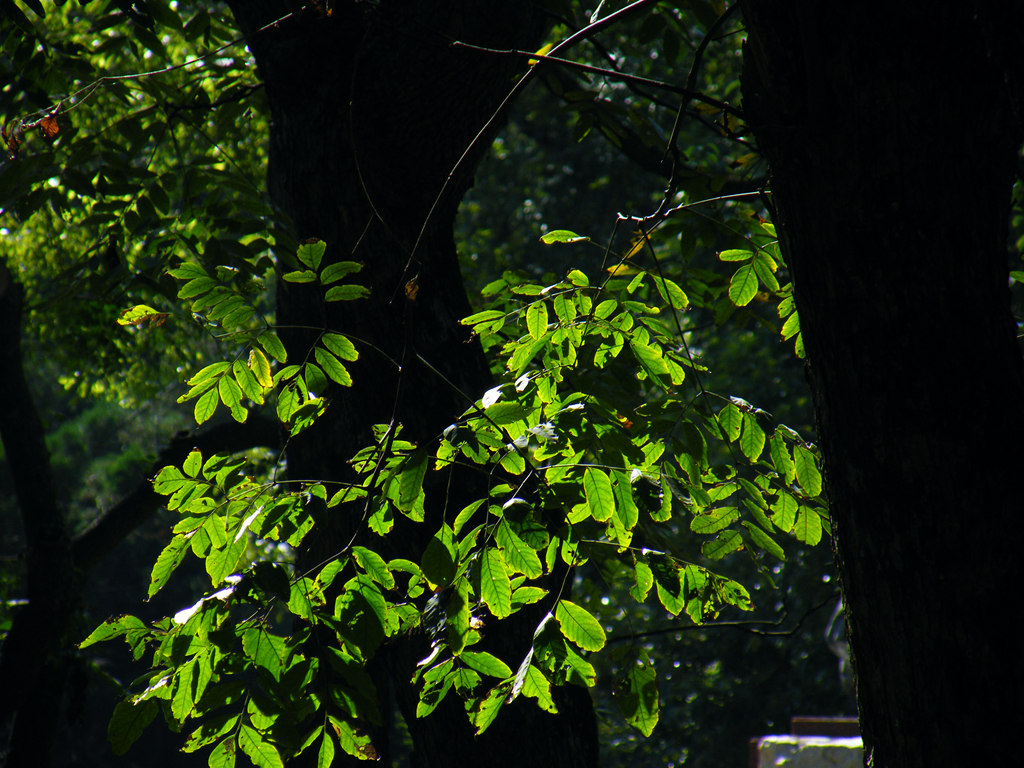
x=96, y=542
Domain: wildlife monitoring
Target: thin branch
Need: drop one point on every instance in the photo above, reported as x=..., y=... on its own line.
x=611, y=74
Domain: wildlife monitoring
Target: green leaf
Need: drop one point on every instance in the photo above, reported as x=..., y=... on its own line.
x=728, y=541
x=597, y=487
x=743, y=285
x=483, y=317
x=626, y=513
x=223, y=755
x=764, y=541
x=128, y=722
x=438, y=562
x=347, y=293
x=332, y=367
x=486, y=664
x=262, y=753
x=579, y=626
x=808, y=526
x=131, y=627
x=577, y=278
x=210, y=731
x=466, y=514
x=334, y=272
x=166, y=562
x=784, y=512
x=752, y=439
x=206, y=406
x=340, y=346
x=193, y=463
x=325, y=756
x=209, y=373
x=489, y=706
x=527, y=595
x=273, y=346
x=519, y=556
x=247, y=382
x=503, y=412
x=266, y=650
x=495, y=588
x=807, y=470
x=374, y=566
x=636, y=694
x=196, y=287
x=671, y=293
x=714, y=520
x=730, y=418
x=562, y=236
x=410, y=479
x=781, y=458
x=138, y=315
x=537, y=319
x=310, y=253
x=734, y=254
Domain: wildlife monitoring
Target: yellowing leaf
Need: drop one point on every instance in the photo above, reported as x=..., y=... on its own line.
x=260, y=367
x=621, y=269
x=541, y=52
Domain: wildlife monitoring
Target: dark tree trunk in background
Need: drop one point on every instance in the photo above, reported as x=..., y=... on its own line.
x=892, y=132
x=371, y=109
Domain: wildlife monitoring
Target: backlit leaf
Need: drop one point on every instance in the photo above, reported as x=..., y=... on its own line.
x=743, y=285
x=579, y=626
x=807, y=472
x=598, y=490
x=486, y=664
x=561, y=236
x=495, y=589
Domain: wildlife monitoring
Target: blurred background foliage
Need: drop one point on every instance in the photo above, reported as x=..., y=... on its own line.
x=148, y=169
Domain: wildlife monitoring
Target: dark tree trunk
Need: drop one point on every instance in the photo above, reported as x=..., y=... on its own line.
x=892, y=136
x=371, y=110
x=37, y=655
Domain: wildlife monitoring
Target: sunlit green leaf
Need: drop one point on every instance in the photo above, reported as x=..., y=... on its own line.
x=743, y=285
x=486, y=664
x=262, y=753
x=495, y=589
x=273, y=346
x=561, y=236
x=807, y=472
x=580, y=626
x=340, y=346
x=597, y=487
x=808, y=526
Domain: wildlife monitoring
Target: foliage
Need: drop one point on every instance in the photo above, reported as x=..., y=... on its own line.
x=598, y=436
x=607, y=452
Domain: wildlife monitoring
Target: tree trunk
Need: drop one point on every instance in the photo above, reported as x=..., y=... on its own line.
x=371, y=110
x=892, y=139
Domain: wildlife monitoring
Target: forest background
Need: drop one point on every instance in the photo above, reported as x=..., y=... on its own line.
x=627, y=176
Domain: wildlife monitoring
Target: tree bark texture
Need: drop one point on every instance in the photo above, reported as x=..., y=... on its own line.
x=371, y=110
x=892, y=133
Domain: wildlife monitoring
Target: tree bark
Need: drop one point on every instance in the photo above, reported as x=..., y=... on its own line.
x=372, y=109
x=892, y=135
